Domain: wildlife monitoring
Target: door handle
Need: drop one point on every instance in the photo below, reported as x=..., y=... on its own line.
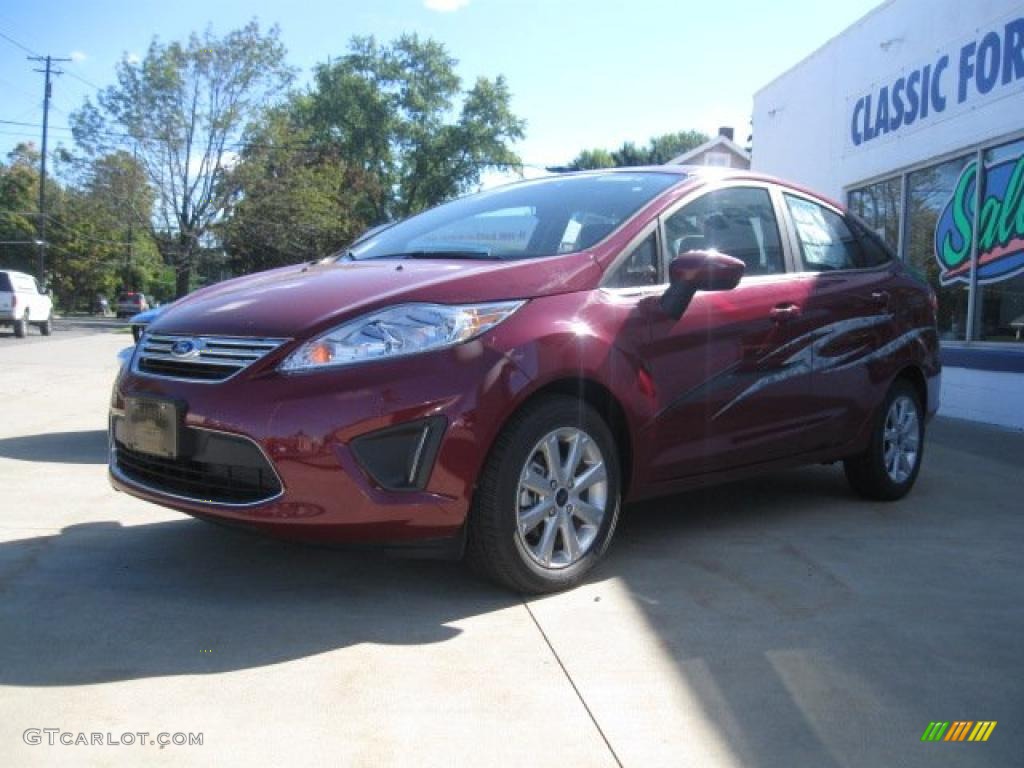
x=783, y=312
x=880, y=299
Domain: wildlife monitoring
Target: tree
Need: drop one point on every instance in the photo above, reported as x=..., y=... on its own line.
x=658, y=151
x=387, y=111
x=593, y=159
x=385, y=131
x=96, y=246
x=19, y=194
x=662, y=149
x=294, y=201
x=185, y=107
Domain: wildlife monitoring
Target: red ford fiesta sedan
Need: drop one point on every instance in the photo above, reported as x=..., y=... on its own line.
x=495, y=376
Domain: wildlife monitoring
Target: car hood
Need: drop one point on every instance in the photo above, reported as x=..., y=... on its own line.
x=300, y=300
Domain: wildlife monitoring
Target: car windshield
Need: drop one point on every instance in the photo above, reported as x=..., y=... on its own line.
x=5, y=282
x=548, y=216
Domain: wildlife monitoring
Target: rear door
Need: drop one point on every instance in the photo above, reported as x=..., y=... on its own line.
x=732, y=376
x=849, y=274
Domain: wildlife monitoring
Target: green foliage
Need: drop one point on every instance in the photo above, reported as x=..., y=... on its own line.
x=593, y=159
x=398, y=112
x=184, y=107
x=296, y=202
x=92, y=245
x=19, y=192
x=658, y=151
x=385, y=131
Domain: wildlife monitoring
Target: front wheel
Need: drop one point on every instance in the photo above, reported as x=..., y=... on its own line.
x=889, y=467
x=547, y=502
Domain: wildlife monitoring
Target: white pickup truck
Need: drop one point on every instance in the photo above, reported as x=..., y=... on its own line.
x=22, y=303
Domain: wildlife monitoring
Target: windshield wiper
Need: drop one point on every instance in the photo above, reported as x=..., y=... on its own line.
x=439, y=254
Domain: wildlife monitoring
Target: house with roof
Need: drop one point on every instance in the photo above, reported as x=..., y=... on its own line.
x=720, y=151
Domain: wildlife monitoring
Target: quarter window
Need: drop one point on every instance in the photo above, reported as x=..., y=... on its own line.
x=640, y=268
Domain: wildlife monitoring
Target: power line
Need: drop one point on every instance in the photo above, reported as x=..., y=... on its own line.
x=14, y=42
x=81, y=79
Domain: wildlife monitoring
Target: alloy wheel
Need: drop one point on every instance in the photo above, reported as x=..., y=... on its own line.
x=562, y=498
x=901, y=439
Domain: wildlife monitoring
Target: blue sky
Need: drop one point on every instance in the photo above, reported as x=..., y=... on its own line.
x=583, y=74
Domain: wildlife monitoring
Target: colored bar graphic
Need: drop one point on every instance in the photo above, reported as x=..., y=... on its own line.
x=959, y=730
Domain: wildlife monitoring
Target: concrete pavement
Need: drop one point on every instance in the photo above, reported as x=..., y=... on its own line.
x=776, y=622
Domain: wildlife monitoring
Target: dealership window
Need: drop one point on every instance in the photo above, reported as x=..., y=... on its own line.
x=999, y=301
x=929, y=192
x=879, y=206
x=940, y=244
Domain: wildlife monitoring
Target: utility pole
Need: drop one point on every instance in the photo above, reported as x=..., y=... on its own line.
x=47, y=92
x=131, y=215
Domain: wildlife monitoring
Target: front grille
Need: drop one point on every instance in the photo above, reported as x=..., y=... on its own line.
x=211, y=358
x=225, y=470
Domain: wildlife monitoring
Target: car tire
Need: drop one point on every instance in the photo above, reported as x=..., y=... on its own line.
x=21, y=326
x=535, y=527
x=887, y=470
x=46, y=327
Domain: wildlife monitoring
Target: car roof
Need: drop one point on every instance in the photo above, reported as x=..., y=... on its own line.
x=710, y=173
x=704, y=174
x=15, y=273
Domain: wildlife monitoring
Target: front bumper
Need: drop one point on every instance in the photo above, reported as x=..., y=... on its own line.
x=326, y=438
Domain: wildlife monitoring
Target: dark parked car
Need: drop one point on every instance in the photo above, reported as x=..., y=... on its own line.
x=131, y=303
x=496, y=375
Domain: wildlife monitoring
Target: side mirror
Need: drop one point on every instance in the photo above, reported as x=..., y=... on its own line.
x=698, y=271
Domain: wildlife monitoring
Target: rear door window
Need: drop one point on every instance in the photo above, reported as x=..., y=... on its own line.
x=826, y=242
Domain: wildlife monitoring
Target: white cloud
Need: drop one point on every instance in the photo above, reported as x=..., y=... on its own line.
x=445, y=6
x=77, y=56
x=133, y=58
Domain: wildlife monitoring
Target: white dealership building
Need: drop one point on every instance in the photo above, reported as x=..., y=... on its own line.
x=898, y=117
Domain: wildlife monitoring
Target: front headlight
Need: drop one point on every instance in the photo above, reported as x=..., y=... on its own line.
x=407, y=329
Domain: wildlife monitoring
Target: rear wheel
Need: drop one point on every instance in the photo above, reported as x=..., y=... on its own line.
x=547, y=502
x=21, y=326
x=888, y=469
x=46, y=327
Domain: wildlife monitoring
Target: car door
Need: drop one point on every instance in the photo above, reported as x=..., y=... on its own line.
x=851, y=297
x=732, y=375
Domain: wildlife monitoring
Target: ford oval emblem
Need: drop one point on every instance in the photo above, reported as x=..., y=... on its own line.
x=185, y=348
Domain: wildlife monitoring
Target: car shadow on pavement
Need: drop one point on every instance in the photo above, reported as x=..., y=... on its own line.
x=89, y=447
x=128, y=602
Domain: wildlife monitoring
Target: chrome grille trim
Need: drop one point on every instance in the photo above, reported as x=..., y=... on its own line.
x=213, y=360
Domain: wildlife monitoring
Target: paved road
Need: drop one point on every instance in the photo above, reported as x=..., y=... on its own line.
x=777, y=622
x=69, y=327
